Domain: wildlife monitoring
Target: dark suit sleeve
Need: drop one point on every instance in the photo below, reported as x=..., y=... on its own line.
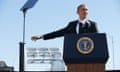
x=94, y=27
x=58, y=33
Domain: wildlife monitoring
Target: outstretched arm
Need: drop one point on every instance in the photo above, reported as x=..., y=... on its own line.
x=51, y=35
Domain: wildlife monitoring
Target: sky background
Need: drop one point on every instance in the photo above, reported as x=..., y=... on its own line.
x=50, y=15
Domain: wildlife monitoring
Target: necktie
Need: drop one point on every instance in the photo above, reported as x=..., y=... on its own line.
x=86, y=26
x=80, y=24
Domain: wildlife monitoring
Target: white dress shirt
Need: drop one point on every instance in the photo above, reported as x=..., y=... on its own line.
x=83, y=22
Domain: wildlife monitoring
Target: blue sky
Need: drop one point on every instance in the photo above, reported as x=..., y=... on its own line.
x=51, y=15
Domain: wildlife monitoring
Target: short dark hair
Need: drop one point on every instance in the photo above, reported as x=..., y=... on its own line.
x=81, y=5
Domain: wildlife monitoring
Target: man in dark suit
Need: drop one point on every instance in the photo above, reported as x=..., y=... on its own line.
x=82, y=25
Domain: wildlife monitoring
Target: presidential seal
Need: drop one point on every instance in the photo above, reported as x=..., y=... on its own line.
x=85, y=45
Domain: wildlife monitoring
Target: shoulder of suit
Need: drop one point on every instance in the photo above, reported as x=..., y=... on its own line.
x=92, y=22
x=75, y=21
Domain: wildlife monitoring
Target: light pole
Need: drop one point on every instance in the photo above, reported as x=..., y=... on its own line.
x=29, y=4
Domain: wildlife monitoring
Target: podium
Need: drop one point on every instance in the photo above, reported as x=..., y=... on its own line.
x=86, y=52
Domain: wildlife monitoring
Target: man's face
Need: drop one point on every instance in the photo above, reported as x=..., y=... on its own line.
x=82, y=12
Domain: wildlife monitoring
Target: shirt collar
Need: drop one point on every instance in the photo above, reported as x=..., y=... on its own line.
x=82, y=21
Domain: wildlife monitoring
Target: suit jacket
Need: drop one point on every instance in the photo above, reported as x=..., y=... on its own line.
x=71, y=28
